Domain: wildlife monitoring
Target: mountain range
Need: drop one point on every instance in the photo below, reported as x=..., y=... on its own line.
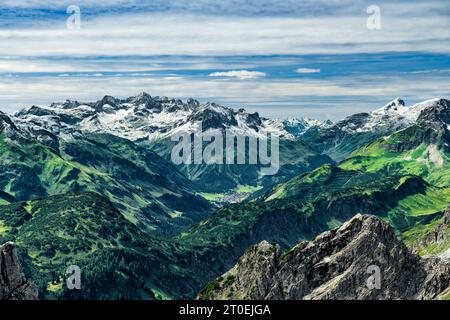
x=92, y=184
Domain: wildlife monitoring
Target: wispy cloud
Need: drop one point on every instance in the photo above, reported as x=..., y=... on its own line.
x=240, y=74
x=162, y=34
x=307, y=70
x=324, y=98
x=287, y=51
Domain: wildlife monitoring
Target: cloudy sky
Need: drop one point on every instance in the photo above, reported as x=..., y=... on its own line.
x=282, y=58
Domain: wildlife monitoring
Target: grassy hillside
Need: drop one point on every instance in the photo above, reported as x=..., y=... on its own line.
x=144, y=187
x=116, y=258
x=405, y=152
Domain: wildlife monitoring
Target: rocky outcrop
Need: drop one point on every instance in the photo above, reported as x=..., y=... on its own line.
x=438, y=235
x=13, y=284
x=361, y=260
x=436, y=116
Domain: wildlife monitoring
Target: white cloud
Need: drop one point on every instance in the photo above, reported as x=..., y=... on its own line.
x=157, y=34
x=44, y=4
x=240, y=74
x=307, y=70
x=338, y=97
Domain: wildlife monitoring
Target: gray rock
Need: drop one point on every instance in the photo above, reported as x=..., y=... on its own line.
x=13, y=284
x=438, y=235
x=338, y=264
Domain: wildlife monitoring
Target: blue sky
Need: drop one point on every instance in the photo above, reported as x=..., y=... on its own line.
x=280, y=58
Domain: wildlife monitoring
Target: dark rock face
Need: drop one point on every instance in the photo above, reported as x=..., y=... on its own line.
x=361, y=260
x=437, y=117
x=432, y=127
x=13, y=284
x=7, y=126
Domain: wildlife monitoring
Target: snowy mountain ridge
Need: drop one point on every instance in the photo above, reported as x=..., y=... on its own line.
x=144, y=117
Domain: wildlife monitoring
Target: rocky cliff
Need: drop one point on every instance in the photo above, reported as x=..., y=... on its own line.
x=13, y=284
x=361, y=260
x=439, y=234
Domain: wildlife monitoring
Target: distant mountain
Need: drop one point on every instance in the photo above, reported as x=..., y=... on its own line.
x=142, y=117
x=423, y=148
x=339, y=264
x=146, y=188
x=151, y=121
x=348, y=135
x=300, y=127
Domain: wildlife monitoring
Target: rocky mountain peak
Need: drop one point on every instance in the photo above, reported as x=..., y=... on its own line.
x=140, y=117
x=395, y=104
x=337, y=264
x=13, y=284
x=68, y=104
x=436, y=115
x=7, y=126
x=107, y=104
x=141, y=98
x=304, y=126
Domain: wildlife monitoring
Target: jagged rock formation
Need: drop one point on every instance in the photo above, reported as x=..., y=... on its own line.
x=139, y=118
x=338, y=264
x=13, y=284
x=441, y=233
x=304, y=127
x=437, y=116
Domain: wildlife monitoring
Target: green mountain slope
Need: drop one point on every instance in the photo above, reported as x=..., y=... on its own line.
x=116, y=258
x=148, y=190
x=416, y=150
x=295, y=157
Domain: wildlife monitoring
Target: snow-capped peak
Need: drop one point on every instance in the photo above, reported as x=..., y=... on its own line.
x=144, y=117
x=394, y=116
x=395, y=106
x=299, y=126
x=306, y=122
